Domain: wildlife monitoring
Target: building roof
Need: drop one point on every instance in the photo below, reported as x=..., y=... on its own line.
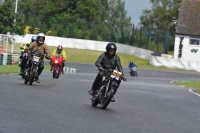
x=189, y=18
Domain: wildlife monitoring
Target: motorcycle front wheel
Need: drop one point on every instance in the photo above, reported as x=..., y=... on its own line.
x=107, y=98
x=54, y=72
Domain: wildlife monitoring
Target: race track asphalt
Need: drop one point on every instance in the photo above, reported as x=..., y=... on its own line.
x=147, y=104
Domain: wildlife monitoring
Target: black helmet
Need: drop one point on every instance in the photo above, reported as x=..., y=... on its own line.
x=110, y=46
x=28, y=44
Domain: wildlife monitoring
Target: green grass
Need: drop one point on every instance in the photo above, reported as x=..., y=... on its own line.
x=6, y=69
x=190, y=84
x=90, y=56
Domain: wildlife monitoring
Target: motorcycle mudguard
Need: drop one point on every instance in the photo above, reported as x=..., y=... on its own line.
x=114, y=83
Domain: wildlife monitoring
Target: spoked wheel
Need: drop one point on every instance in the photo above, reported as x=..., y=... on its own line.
x=132, y=73
x=31, y=78
x=106, y=99
x=136, y=74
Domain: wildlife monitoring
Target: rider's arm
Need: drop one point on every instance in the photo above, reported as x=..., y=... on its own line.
x=99, y=61
x=46, y=50
x=119, y=66
x=31, y=46
x=64, y=56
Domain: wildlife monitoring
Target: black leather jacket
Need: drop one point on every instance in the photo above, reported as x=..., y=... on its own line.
x=105, y=61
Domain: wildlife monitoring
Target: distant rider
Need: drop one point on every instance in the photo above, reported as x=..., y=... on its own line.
x=23, y=57
x=131, y=66
x=62, y=53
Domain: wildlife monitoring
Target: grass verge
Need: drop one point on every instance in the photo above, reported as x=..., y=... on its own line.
x=190, y=84
x=6, y=69
x=90, y=56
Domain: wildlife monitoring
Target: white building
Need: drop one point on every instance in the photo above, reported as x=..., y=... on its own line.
x=188, y=26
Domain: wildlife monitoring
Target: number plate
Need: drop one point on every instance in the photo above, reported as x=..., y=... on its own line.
x=116, y=74
x=36, y=59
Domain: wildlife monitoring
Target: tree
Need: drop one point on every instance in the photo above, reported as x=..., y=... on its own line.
x=160, y=18
x=7, y=17
x=120, y=25
x=85, y=19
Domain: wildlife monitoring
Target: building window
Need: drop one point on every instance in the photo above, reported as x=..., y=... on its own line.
x=194, y=41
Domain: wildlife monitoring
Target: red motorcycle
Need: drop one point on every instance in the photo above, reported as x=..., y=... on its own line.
x=56, y=65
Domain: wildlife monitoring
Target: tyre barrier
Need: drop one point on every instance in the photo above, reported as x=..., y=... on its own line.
x=69, y=70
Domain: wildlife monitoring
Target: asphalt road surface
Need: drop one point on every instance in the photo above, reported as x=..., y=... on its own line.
x=147, y=104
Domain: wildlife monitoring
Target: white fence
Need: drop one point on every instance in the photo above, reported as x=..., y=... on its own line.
x=100, y=46
x=87, y=44
x=175, y=63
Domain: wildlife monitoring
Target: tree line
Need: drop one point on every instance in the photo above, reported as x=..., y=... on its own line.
x=102, y=20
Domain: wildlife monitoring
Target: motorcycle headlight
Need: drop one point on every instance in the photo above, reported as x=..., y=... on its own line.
x=56, y=61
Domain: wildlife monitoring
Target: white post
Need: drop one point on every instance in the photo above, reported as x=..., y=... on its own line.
x=12, y=47
x=6, y=44
x=22, y=40
x=16, y=2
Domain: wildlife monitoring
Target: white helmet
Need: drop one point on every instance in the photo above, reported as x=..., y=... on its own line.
x=40, y=35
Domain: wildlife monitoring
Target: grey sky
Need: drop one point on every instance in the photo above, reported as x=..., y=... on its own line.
x=134, y=9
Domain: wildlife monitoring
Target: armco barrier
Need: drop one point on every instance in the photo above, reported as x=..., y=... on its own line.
x=175, y=63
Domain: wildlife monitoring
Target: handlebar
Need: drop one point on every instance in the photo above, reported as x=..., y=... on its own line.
x=36, y=53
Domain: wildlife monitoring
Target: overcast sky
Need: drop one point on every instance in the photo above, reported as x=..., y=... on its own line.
x=134, y=9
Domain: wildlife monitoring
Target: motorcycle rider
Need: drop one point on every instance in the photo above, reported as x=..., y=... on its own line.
x=40, y=47
x=62, y=53
x=106, y=60
x=131, y=66
x=22, y=57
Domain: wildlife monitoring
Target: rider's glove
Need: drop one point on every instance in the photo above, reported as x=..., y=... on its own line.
x=47, y=57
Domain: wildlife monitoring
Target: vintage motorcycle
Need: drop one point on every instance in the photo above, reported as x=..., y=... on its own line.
x=133, y=72
x=56, y=65
x=34, y=59
x=107, y=88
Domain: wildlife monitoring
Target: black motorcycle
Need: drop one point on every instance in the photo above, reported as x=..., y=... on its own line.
x=133, y=72
x=23, y=57
x=107, y=88
x=34, y=60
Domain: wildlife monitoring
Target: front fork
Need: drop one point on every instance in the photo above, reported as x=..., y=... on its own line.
x=112, y=87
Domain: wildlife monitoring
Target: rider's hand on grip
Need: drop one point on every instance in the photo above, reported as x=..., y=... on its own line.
x=123, y=77
x=100, y=69
x=47, y=57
